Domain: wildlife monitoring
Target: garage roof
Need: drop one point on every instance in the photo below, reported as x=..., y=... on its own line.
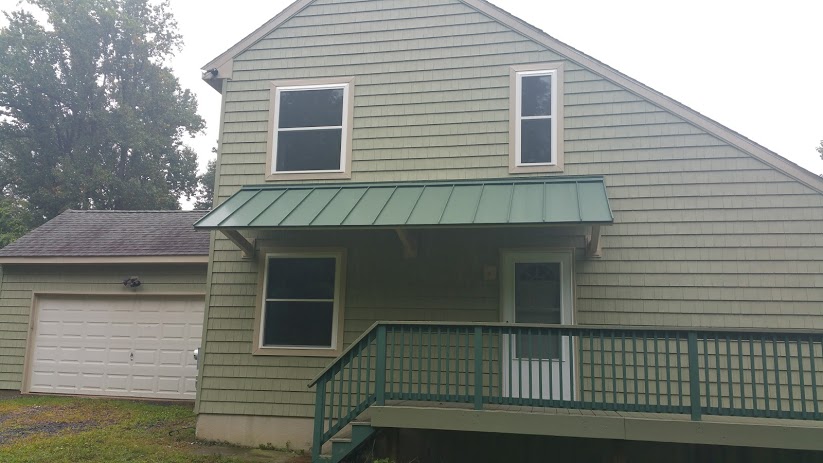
x=112, y=234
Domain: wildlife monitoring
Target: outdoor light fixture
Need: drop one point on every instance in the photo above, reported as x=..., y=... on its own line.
x=132, y=282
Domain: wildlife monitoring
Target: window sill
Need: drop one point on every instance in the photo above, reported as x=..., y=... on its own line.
x=281, y=352
x=556, y=168
x=281, y=176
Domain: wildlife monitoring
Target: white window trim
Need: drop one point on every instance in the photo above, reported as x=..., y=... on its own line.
x=555, y=70
x=338, y=316
x=347, y=84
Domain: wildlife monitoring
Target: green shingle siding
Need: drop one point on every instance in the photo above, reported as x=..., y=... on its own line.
x=705, y=234
x=20, y=281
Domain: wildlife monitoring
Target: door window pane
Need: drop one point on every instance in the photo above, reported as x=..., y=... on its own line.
x=309, y=150
x=535, y=141
x=537, y=299
x=311, y=108
x=536, y=96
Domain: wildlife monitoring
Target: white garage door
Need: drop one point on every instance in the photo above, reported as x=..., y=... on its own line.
x=117, y=346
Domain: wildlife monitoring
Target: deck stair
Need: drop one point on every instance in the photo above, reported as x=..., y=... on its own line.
x=348, y=441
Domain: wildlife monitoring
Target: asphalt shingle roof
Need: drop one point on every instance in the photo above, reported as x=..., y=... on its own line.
x=114, y=233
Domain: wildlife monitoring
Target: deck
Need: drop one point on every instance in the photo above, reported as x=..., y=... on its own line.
x=753, y=388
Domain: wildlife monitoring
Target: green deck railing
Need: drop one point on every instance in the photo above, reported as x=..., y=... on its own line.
x=749, y=373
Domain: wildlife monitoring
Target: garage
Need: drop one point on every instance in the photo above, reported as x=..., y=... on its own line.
x=116, y=346
x=104, y=303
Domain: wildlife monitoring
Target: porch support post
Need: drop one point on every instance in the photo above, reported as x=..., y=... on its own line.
x=593, y=247
x=409, y=241
x=241, y=242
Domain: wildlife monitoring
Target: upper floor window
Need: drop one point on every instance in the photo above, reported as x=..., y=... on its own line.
x=310, y=130
x=537, y=119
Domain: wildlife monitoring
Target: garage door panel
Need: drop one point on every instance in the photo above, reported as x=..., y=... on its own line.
x=139, y=347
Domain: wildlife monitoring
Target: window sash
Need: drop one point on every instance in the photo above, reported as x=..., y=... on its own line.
x=519, y=118
x=337, y=256
x=344, y=142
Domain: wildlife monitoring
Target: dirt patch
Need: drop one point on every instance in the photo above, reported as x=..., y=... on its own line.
x=43, y=429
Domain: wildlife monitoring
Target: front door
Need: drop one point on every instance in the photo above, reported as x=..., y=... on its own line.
x=537, y=289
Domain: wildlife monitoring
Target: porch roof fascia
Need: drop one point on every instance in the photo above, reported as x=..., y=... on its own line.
x=480, y=203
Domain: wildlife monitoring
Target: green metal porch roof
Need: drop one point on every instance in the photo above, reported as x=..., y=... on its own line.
x=566, y=200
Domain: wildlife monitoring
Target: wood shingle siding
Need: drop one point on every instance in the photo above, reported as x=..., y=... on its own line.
x=705, y=234
x=19, y=282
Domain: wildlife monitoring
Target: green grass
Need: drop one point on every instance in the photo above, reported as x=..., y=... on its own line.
x=63, y=430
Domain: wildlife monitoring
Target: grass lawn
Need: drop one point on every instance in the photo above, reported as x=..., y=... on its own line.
x=66, y=429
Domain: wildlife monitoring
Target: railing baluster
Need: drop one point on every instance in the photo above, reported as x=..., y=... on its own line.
x=331, y=398
x=439, y=361
x=478, y=367
x=541, y=353
x=789, y=375
x=753, y=375
x=730, y=374
x=390, y=375
x=719, y=375
x=623, y=361
x=614, y=373
x=602, y=371
x=646, y=371
x=420, y=365
x=707, y=371
x=531, y=363
x=594, y=376
x=634, y=371
x=549, y=340
x=668, y=375
x=656, y=372
x=429, y=367
x=680, y=370
x=468, y=350
x=694, y=377
x=766, y=397
x=740, y=372
x=802, y=378
x=777, y=375
x=814, y=377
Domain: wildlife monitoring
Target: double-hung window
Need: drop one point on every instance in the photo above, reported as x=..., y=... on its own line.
x=537, y=119
x=310, y=130
x=301, y=303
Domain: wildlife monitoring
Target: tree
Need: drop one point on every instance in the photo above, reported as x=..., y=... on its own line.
x=820, y=149
x=91, y=116
x=15, y=221
x=205, y=193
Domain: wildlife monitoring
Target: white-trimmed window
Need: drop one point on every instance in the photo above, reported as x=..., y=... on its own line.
x=301, y=305
x=537, y=118
x=310, y=131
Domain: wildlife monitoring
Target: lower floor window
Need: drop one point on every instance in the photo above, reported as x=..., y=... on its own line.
x=301, y=300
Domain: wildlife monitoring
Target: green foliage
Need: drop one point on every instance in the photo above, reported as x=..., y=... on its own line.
x=205, y=192
x=91, y=115
x=15, y=221
x=820, y=149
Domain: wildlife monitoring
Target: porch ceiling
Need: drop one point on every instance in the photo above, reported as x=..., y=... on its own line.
x=524, y=201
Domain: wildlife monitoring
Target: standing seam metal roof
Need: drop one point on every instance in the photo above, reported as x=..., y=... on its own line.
x=567, y=200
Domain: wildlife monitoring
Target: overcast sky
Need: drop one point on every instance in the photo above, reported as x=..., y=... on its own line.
x=755, y=66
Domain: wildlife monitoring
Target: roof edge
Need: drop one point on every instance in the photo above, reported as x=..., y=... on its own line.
x=258, y=34
x=194, y=259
